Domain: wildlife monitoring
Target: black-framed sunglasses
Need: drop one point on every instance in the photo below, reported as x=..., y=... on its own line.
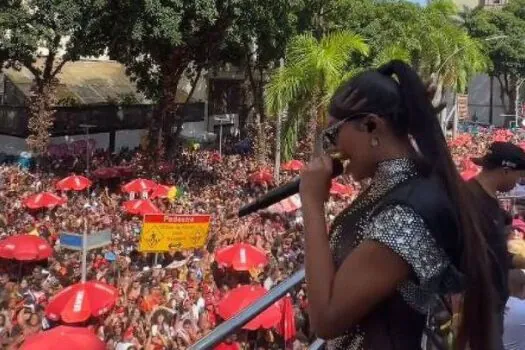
x=331, y=133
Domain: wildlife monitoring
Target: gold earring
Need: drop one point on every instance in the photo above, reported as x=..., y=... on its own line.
x=374, y=142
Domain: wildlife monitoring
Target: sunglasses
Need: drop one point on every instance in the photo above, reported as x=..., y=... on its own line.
x=331, y=133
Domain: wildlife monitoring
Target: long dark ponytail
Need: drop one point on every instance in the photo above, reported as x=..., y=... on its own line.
x=422, y=123
x=395, y=92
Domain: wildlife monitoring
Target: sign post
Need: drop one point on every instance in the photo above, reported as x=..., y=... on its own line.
x=83, y=242
x=84, y=253
x=162, y=233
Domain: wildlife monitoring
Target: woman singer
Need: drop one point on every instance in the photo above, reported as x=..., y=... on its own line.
x=411, y=236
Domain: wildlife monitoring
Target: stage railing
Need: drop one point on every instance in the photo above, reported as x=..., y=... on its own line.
x=232, y=325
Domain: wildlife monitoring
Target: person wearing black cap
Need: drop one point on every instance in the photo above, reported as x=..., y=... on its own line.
x=502, y=167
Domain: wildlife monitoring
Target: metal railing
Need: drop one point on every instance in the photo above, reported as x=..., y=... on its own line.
x=232, y=325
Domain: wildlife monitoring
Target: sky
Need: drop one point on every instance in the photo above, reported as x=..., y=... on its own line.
x=419, y=1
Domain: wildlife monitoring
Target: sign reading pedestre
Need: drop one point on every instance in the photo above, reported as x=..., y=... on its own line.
x=162, y=233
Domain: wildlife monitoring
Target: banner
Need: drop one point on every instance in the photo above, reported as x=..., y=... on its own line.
x=162, y=233
x=462, y=107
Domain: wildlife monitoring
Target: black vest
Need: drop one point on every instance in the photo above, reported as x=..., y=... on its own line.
x=394, y=325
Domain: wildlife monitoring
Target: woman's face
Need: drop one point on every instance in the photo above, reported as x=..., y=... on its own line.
x=354, y=144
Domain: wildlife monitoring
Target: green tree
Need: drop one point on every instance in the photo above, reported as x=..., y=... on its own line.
x=507, y=53
x=314, y=69
x=450, y=54
x=42, y=36
x=161, y=41
x=258, y=40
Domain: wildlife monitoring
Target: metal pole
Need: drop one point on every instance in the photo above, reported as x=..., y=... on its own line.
x=517, y=102
x=455, y=121
x=87, y=151
x=87, y=127
x=84, y=253
x=220, y=137
x=491, y=101
x=230, y=326
x=155, y=260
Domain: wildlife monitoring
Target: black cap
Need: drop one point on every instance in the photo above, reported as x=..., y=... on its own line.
x=502, y=155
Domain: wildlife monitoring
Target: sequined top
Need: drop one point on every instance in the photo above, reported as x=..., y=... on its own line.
x=401, y=229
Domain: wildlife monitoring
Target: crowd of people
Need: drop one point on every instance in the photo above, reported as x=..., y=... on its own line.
x=162, y=305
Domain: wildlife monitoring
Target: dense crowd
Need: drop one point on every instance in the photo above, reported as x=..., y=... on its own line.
x=161, y=304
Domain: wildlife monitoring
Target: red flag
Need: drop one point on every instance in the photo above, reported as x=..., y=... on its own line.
x=287, y=325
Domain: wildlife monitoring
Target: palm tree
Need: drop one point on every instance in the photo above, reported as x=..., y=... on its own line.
x=313, y=70
x=449, y=56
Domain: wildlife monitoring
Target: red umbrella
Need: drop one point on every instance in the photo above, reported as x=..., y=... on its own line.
x=139, y=185
x=43, y=200
x=241, y=257
x=160, y=192
x=106, y=173
x=64, y=338
x=73, y=183
x=293, y=165
x=25, y=248
x=286, y=327
x=241, y=297
x=340, y=189
x=80, y=301
x=261, y=177
x=140, y=207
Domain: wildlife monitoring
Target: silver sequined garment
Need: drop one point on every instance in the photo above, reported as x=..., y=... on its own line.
x=402, y=230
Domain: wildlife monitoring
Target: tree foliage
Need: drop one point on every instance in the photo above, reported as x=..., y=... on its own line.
x=507, y=50
x=161, y=41
x=314, y=69
x=42, y=35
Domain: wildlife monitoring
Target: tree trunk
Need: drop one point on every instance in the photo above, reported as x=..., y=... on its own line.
x=164, y=114
x=257, y=93
x=178, y=121
x=311, y=138
x=41, y=116
x=277, y=168
x=505, y=91
x=41, y=106
x=260, y=141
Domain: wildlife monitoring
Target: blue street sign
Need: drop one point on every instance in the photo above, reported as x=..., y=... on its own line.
x=99, y=239
x=73, y=241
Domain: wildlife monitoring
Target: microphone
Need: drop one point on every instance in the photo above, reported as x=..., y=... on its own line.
x=278, y=194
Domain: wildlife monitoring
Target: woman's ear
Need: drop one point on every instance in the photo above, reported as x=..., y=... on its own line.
x=372, y=123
